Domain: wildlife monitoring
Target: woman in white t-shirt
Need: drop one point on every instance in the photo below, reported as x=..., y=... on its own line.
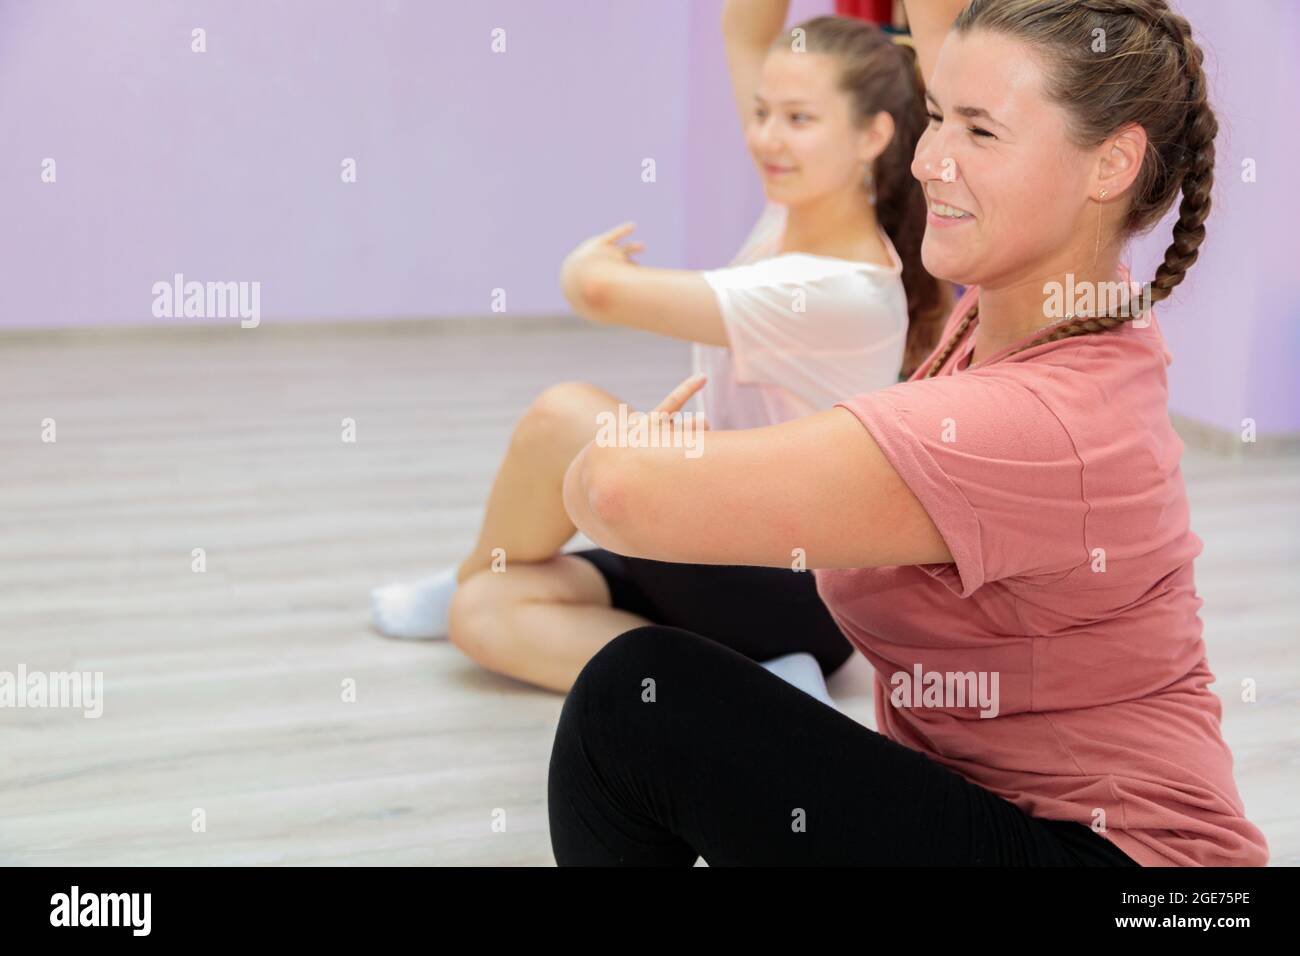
x=826, y=298
x=787, y=358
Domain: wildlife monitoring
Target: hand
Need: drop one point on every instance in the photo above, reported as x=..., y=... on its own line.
x=627, y=430
x=604, y=246
x=671, y=405
x=601, y=248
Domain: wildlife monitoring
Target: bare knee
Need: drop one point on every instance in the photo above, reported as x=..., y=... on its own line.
x=488, y=621
x=563, y=418
x=476, y=616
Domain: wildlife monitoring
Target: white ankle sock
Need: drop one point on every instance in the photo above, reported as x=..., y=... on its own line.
x=802, y=670
x=414, y=609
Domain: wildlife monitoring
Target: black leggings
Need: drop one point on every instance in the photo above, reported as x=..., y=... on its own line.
x=672, y=746
x=759, y=612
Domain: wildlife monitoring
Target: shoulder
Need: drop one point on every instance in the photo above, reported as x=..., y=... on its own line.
x=800, y=268
x=810, y=290
x=1085, y=372
x=1100, y=399
x=986, y=415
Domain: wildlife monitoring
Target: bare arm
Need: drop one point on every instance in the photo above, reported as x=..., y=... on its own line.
x=820, y=484
x=604, y=285
x=748, y=29
x=677, y=303
x=929, y=22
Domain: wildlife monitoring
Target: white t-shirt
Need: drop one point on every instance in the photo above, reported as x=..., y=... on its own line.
x=806, y=331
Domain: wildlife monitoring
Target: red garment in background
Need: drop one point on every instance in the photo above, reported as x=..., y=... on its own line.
x=877, y=11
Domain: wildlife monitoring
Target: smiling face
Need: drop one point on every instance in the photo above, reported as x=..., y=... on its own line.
x=802, y=135
x=997, y=150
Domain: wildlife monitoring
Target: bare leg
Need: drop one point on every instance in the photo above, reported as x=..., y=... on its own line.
x=538, y=623
x=525, y=517
x=525, y=514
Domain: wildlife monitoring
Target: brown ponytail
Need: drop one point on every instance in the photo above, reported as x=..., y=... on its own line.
x=881, y=75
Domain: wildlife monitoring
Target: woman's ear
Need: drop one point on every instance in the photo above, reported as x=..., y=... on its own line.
x=1120, y=160
x=876, y=136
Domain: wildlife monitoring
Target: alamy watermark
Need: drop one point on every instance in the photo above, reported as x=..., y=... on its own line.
x=1118, y=299
x=130, y=910
x=208, y=300
x=945, y=689
x=54, y=689
x=626, y=429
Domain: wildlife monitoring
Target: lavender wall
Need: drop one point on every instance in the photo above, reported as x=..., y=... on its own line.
x=1233, y=326
x=475, y=170
x=479, y=170
x=723, y=192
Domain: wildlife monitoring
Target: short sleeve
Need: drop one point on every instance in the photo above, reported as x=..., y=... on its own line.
x=993, y=467
x=810, y=325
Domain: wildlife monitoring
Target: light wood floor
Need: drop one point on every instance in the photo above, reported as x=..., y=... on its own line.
x=223, y=689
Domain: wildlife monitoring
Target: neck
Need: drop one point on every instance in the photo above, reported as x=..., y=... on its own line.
x=830, y=224
x=1013, y=310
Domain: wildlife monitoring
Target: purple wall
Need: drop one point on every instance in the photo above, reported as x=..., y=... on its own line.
x=479, y=170
x=1233, y=326
x=475, y=170
x=723, y=192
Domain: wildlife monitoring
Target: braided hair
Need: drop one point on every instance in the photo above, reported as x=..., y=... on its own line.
x=1148, y=73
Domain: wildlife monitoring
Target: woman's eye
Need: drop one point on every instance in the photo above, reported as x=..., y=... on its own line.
x=979, y=132
x=797, y=117
x=935, y=117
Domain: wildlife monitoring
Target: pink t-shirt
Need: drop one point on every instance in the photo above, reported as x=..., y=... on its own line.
x=1053, y=476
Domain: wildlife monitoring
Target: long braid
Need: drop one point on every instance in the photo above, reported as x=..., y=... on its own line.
x=941, y=356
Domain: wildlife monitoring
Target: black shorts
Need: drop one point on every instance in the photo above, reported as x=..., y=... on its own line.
x=760, y=612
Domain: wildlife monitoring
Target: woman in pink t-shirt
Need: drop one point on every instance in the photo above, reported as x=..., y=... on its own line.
x=1005, y=536
x=826, y=298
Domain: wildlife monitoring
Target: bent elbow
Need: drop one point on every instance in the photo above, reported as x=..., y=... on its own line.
x=594, y=295
x=596, y=496
x=606, y=489
x=607, y=500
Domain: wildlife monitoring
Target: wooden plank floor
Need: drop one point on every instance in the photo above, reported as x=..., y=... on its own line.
x=223, y=689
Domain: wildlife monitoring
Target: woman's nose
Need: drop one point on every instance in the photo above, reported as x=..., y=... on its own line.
x=931, y=162
x=764, y=136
